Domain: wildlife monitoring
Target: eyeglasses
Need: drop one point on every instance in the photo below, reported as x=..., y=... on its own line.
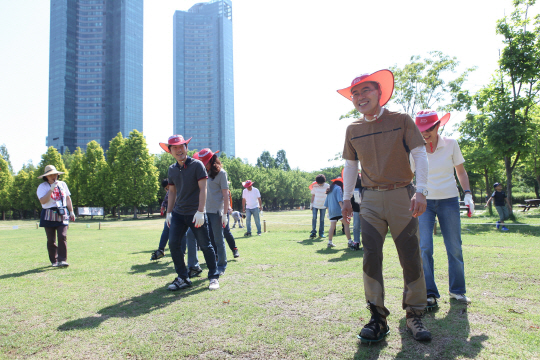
x=361, y=93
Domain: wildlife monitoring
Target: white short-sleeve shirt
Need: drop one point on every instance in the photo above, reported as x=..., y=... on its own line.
x=441, y=180
x=44, y=188
x=251, y=197
x=320, y=195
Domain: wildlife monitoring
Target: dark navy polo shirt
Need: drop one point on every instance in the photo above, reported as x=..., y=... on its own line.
x=186, y=178
x=498, y=197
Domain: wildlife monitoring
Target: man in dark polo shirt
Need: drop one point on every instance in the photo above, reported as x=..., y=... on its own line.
x=381, y=141
x=187, y=199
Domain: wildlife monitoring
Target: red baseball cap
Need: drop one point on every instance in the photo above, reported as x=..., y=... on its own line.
x=247, y=183
x=385, y=79
x=174, y=140
x=427, y=118
x=204, y=155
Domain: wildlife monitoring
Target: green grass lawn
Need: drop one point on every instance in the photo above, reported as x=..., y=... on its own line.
x=285, y=297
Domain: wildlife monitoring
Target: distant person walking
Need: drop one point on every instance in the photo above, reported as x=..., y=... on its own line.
x=55, y=200
x=251, y=205
x=318, y=198
x=501, y=204
x=334, y=203
x=444, y=156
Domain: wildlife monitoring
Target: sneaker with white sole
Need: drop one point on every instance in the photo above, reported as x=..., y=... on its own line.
x=193, y=272
x=331, y=244
x=236, y=253
x=63, y=264
x=431, y=302
x=178, y=284
x=54, y=264
x=158, y=254
x=350, y=243
x=461, y=298
x=214, y=284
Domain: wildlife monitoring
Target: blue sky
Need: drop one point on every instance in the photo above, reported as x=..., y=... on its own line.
x=290, y=57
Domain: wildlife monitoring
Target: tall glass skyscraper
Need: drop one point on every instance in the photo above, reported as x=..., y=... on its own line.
x=95, y=71
x=203, y=76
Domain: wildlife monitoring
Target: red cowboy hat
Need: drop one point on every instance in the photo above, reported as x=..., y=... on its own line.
x=312, y=184
x=247, y=183
x=427, y=118
x=204, y=155
x=384, y=78
x=174, y=140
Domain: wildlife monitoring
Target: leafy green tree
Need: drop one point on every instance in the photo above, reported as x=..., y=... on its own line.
x=508, y=100
x=139, y=175
x=266, y=161
x=29, y=166
x=5, y=155
x=111, y=176
x=281, y=161
x=76, y=177
x=162, y=162
x=6, y=180
x=19, y=195
x=93, y=163
x=67, y=157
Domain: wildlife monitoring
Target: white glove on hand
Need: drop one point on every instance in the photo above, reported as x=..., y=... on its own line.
x=357, y=198
x=198, y=219
x=310, y=206
x=54, y=185
x=467, y=199
x=224, y=220
x=168, y=219
x=72, y=216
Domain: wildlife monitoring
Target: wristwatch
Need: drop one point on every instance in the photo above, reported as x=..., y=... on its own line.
x=422, y=191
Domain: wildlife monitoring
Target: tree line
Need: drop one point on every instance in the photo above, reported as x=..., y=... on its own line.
x=128, y=176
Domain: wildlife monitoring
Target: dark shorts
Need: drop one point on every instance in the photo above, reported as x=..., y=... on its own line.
x=337, y=218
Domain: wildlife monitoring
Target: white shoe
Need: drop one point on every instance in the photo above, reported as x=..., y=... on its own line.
x=331, y=244
x=461, y=298
x=214, y=284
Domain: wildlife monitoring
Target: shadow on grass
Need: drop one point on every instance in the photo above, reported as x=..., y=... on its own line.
x=346, y=253
x=450, y=337
x=158, y=268
x=312, y=241
x=470, y=229
x=136, y=306
x=27, y=272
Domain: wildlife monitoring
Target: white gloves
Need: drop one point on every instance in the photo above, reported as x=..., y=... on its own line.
x=54, y=185
x=198, y=219
x=467, y=199
x=261, y=213
x=357, y=198
x=224, y=220
x=72, y=216
x=168, y=219
x=310, y=206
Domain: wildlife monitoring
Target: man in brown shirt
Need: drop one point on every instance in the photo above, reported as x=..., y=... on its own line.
x=382, y=141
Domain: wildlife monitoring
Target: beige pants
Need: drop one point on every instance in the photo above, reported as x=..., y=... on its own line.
x=379, y=211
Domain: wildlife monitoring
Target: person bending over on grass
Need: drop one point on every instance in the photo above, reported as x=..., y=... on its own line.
x=444, y=156
x=186, y=208
x=318, y=198
x=381, y=141
x=217, y=203
x=237, y=217
x=504, y=209
x=334, y=203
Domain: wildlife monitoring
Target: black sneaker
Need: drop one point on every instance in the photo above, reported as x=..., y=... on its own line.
x=416, y=327
x=247, y=234
x=312, y=236
x=193, y=272
x=376, y=329
x=431, y=302
x=356, y=246
x=236, y=253
x=158, y=254
x=178, y=284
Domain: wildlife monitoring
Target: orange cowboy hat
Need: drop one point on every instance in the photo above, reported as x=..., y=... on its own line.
x=384, y=78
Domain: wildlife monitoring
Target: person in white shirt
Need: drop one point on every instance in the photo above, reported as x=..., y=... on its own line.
x=251, y=205
x=55, y=200
x=318, y=197
x=444, y=156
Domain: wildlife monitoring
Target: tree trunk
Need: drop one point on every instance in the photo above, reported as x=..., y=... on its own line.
x=134, y=212
x=537, y=187
x=114, y=211
x=486, y=177
x=509, y=169
x=149, y=212
x=3, y=215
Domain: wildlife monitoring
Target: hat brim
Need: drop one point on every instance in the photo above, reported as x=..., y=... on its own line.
x=165, y=146
x=385, y=79
x=247, y=184
x=442, y=121
x=312, y=185
x=51, y=173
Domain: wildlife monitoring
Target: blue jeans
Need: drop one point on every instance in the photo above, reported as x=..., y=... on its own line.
x=357, y=227
x=229, y=236
x=188, y=239
x=447, y=211
x=164, y=237
x=179, y=226
x=255, y=213
x=214, y=223
x=314, y=221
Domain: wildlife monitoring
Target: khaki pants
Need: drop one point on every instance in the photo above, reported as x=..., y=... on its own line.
x=379, y=211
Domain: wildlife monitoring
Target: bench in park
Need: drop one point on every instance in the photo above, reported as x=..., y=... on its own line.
x=91, y=211
x=531, y=203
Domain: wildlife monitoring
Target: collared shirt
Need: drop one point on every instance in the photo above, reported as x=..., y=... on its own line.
x=186, y=180
x=441, y=180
